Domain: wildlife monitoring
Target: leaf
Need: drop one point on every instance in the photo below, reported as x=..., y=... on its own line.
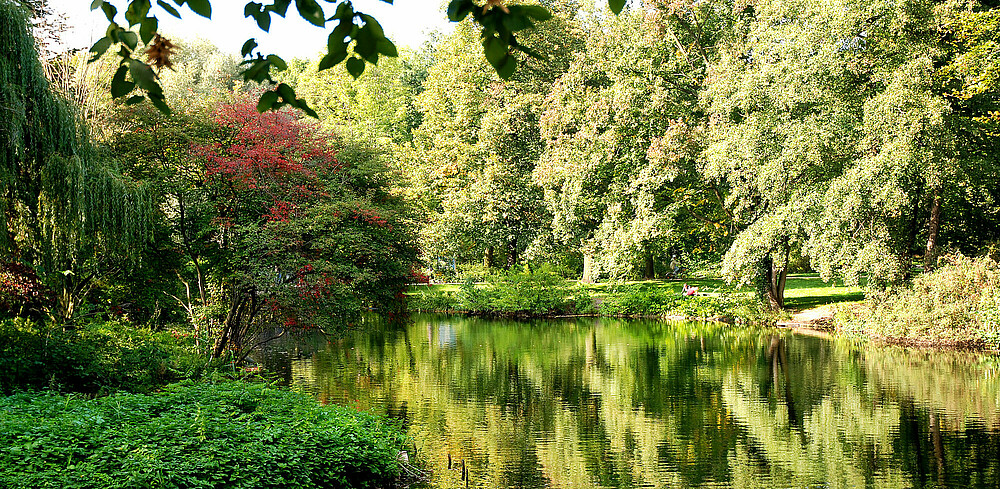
x=616, y=6
x=507, y=69
x=279, y=7
x=537, y=12
x=459, y=9
x=248, y=47
x=311, y=11
x=134, y=99
x=147, y=29
x=495, y=50
x=128, y=38
x=387, y=48
x=355, y=66
x=100, y=47
x=277, y=62
x=121, y=87
x=201, y=7
x=143, y=76
x=286, y=92
x=169, y=8
x=159, y=102
x=267, y=100
x=109, y=11
x=517, y=20
x=331, y=60
x=365, y=44
x=137, y=10
x=96, y=4
x=373, y=26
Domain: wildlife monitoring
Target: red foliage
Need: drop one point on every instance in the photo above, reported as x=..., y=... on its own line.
x=273, y=158
x=20, y=288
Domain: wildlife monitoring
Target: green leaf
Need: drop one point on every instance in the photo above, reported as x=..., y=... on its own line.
x=616, y=6
x=147, y=29
x=507, y=68
x=257, y=70
x=495, y=50
x=387, y=48
x=536, y=11
x=459, y=9
x=169, y=8
x=248, y=47
x=286, y=92
x=311, y=11
x=96, y=4
x=373, y=26
x=277, y=62
x=99, y=48
x=517, y=20
x=365, y=44
x=128, y=38
x=134, y=99
x=143, y=76
x=159, y=102
x=121, y=87
x=201, y=7
x=279, y=7
x=355, y=66
x=109, y=11
x=137, y=10
x=267, y=101
x=331, y=60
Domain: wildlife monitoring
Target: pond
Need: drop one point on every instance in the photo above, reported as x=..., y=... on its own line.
x=611, y=403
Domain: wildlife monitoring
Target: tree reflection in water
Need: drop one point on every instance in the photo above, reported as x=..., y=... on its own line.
x=602, y=403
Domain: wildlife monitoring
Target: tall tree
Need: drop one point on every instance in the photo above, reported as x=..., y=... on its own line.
x=68, y=212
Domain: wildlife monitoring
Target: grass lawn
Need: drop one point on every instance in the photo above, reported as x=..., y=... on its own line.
x=802, y=291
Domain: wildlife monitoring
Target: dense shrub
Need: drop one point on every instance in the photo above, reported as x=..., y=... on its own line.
x=959, y=304
x=232, y=435
x=648, y=300
x=95, y=357
x=432, y=301
x=538, y=292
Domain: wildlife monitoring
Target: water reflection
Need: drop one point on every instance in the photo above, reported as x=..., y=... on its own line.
x=600, y=403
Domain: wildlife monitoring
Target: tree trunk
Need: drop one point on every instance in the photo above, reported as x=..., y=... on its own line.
x=775, y=276
x=649, y=267
x=588, y=266
x=488, y=257
x=933, y=226
x=512, y=257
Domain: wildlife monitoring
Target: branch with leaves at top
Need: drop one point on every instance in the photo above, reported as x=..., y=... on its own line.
x=357, y=38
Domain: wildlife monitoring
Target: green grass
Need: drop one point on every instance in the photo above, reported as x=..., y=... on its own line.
x=802, y=291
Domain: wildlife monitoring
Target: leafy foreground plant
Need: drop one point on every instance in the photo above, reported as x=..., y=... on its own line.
x=233, y=435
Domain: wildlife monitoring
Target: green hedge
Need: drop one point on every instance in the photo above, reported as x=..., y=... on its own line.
x=231, y=435
x=96, y=357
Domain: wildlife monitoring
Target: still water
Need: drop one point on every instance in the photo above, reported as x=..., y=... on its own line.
x=609, y=403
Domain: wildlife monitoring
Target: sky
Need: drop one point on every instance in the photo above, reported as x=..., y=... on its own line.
x=407, y=23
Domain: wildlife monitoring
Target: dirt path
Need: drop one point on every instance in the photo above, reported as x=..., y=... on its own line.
x=818, y=318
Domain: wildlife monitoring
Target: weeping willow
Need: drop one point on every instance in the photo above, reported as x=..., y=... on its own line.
x=69, y=213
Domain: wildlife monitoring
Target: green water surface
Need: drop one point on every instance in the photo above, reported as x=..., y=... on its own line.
x=608, y=403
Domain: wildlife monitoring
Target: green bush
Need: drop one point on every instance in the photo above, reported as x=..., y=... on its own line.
x=96, y=357
x=233, y=435
x=959, y=304
x=430, y=301
x=539, y=292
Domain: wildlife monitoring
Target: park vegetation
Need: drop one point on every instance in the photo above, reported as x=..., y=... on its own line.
x=159, y=226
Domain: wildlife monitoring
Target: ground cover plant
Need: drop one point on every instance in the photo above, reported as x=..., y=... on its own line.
x=93, y=357
x=957, y=304
x=233, y=435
